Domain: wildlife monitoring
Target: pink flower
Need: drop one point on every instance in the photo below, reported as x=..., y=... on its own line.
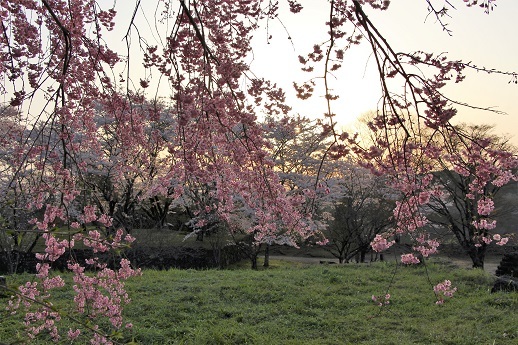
x=442, y=290
x=73, y=334
x=487, y=240
x=424, y=197
x=380, y=243
x=128, y=238
x=427, y=247
x=42, y=269
x=52, y=283
x=381, y=300
x=105, y=220
x=484, y=224
x=485, y=206
x=89, y=214
x=503, y=241
x=409, y=259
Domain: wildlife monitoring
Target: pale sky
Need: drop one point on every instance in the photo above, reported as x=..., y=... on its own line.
x=486, y=40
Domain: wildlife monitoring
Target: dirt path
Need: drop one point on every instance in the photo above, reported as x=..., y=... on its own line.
x=490, y=265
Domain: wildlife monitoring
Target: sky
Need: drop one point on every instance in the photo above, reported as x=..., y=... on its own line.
x=485, y=39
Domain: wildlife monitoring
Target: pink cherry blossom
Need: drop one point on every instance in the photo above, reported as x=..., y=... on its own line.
x=380, y=243
x=485, y=206
x=382, y=300
x=503, y=241
x=73, y=334
x=409, y=259
x=443, y=290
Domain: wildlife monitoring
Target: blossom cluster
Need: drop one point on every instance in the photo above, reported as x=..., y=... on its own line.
x=443, y=290
x=380, y=243
x=381, y=300
x=500, y=241
x=89, y=291
x=426, y=246
x=98, y=295
x=409, y=259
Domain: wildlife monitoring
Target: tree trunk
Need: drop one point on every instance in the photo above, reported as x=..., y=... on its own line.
x=362, y=255
x=267, y=256
x=477, y=256
x=3, y=287
x=216, y=255
x=13, y=261
x=254, y=262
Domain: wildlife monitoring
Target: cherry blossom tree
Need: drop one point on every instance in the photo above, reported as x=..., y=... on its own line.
x=453, y=171
x=412, y=103
x=298, y=147
x=400, y=151
x=363, y=211
x=59, y=63
x=464, y=208
x=14, y=217
x=56, y=56
x=118, y=178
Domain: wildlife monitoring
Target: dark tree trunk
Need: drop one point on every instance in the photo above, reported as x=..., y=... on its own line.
x=267, y=256
x=3, y=287
x=477, y=255
x=13, y=261
x=362, y=255
x=216, y=255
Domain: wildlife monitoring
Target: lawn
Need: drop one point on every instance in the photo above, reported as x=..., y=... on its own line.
x=309, y=304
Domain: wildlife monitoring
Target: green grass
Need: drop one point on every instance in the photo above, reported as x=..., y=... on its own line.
x=317, y=304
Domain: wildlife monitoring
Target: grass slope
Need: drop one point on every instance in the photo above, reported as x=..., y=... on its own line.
x=310, y=305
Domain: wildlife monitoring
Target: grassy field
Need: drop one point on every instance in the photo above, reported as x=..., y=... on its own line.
x=292, y=303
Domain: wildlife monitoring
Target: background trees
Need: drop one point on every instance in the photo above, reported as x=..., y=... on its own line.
x=467, y=206
x=443, y=175
x=363, y=211
x=15, y=193
x=456, y=175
